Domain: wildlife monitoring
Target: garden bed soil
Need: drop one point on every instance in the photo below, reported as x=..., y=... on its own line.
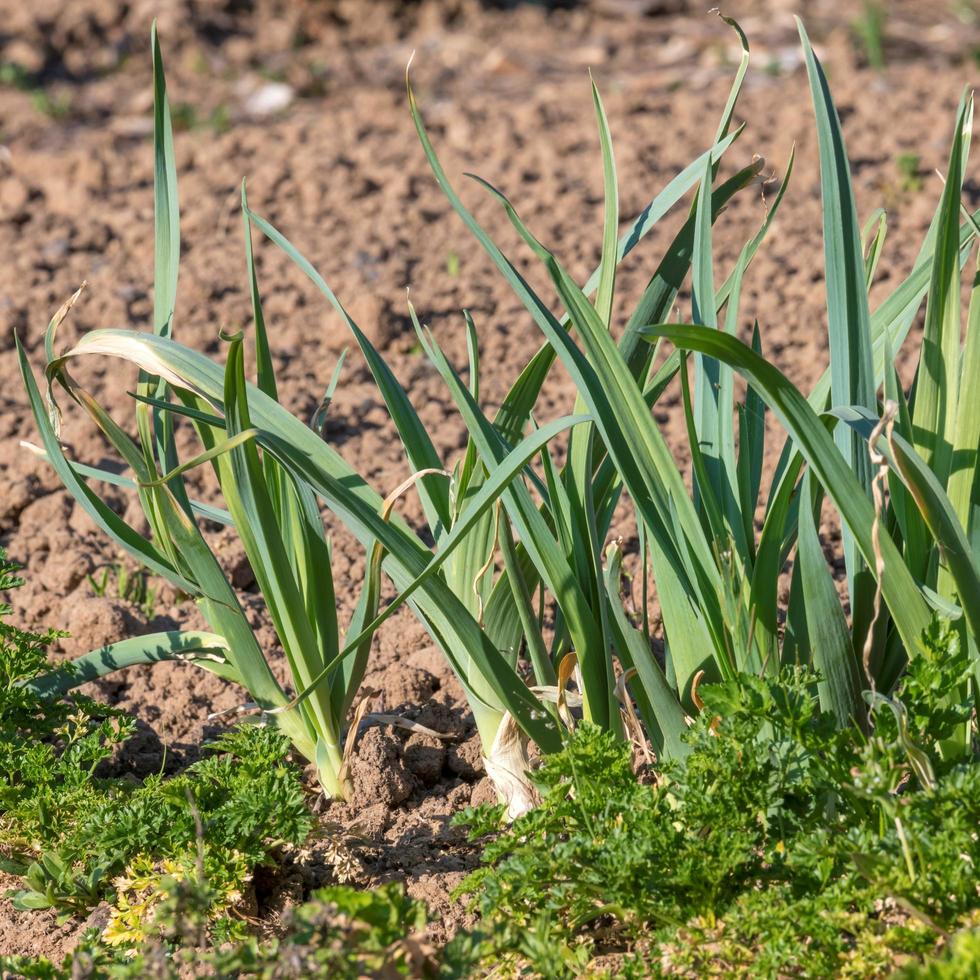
x=337, y=166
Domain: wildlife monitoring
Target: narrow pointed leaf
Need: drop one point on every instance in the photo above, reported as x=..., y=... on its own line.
x=207, y=650
x=830, y=639
x=848, y=316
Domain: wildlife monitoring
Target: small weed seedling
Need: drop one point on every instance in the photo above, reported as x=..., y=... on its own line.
x=134, y=587
x=909, y=166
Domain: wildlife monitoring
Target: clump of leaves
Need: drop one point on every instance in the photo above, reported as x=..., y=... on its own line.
x=220, y=818
x=77, y=838
x=960, y=961
x=49, y=751
x=339, y=933
x=604, y=850
x=781, y=845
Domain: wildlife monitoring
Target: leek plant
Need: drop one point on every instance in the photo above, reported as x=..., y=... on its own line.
x=716, y=577
x=555, y=520
x=275, y=515
x=271, y=469
x=252, y=444
x=543, y=543
x=921, y=542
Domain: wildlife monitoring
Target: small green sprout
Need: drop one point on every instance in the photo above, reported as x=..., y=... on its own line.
x=909, y=166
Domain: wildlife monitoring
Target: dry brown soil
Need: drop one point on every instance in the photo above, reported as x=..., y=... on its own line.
x=340, y=171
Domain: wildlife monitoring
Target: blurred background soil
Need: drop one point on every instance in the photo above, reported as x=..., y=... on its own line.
x=307, y=100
